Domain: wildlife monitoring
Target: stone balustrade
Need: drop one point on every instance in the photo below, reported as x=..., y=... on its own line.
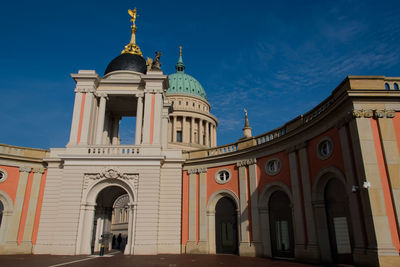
x=120, y=150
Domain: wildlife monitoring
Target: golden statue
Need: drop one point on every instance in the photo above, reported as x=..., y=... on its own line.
x=132, y=13
x=132, y=47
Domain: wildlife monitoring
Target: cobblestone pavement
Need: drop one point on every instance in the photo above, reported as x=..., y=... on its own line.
x=116, y=259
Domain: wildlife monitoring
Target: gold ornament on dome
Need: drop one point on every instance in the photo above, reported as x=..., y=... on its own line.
x=132, y=47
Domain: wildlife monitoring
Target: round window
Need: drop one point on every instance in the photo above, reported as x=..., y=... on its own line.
x=324, y=148
x=3, y=175
x=273, y=166
x=223, y=176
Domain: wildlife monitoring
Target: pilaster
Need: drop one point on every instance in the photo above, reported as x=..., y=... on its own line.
x=75, y=118
x=298, y=220
x=14, y=224
x=197, y=177
x=368, y=166
x=312, y=250
x=139, y=121
x=31, y=214
x=249, y=247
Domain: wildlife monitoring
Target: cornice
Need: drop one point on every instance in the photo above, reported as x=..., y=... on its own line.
x=246, y=162
x=197, y=170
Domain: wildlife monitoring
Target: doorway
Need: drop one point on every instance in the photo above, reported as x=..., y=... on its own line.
x=226, y=227
x=338, y=222
x=102, y=234
x=281, y=226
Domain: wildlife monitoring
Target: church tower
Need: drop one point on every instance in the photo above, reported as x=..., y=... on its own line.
x=88, y=176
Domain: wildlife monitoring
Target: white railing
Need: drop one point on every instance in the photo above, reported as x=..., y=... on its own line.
x=269, y=136
x=118, y=150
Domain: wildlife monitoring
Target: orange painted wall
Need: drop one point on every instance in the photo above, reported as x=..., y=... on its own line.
x=282, y=176
x=232, y=184
x=390, y=212
x=25, y=208
x=335, y=160
x=39, y=208
x=10, y=185
x=185, y=208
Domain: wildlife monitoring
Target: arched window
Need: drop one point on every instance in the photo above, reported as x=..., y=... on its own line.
x=387, y=87
x=396, y=86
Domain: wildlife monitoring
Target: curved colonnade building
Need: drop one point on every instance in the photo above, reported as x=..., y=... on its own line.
x=322, y=188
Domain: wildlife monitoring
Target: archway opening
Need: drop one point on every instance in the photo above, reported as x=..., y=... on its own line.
x=281, y=226
x=337, y=213
x=226, y=227
x=1, y=212
x=119, y=222
x=103, y=234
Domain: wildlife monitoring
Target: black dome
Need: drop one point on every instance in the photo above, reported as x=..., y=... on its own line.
x=127, y=61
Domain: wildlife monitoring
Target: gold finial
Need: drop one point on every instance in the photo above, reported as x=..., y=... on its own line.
x=180, y=50
x=132, y=47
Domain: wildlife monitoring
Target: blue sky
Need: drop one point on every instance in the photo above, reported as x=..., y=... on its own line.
x=277, y=59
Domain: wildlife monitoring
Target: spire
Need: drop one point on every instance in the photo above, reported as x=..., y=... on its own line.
x=132, y=47
x=246, y=128
x=180, y=67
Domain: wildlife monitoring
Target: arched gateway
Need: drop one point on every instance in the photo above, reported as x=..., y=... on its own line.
x=96, y=213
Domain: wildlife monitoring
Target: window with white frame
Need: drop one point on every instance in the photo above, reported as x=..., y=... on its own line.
x=223, y=176
x=324, y=148
x=273, y=166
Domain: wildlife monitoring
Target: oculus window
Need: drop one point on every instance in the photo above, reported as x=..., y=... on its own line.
x=223, y=176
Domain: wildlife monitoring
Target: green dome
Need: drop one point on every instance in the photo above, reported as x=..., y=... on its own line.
x=182, y=83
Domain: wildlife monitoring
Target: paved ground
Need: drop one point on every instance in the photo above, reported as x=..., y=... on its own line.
x=118, y=260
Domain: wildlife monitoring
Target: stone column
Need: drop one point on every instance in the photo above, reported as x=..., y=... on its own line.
x=255, y=220
x=131, y=230
x=99, y=231
x=184, y=135
x=203, y=224
x=215, y=135
x=192, y=208
x=75, y=118
x=298, y=222
x=212, y=135
x=244, y=241
x=312, y=246
x=174, y=129
x=86, y=228
x=265, y=232
x=207, y=134
x=105, y=138
x=100, y=119
x=139, y=121
x=147, y=117
x=200, y=132
x=323, y=232
x=17, y=210
x=192, y=131
x=157, y=119
x=115, y=138
x=87, y=117
x=165, y=127
x=31, y=214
